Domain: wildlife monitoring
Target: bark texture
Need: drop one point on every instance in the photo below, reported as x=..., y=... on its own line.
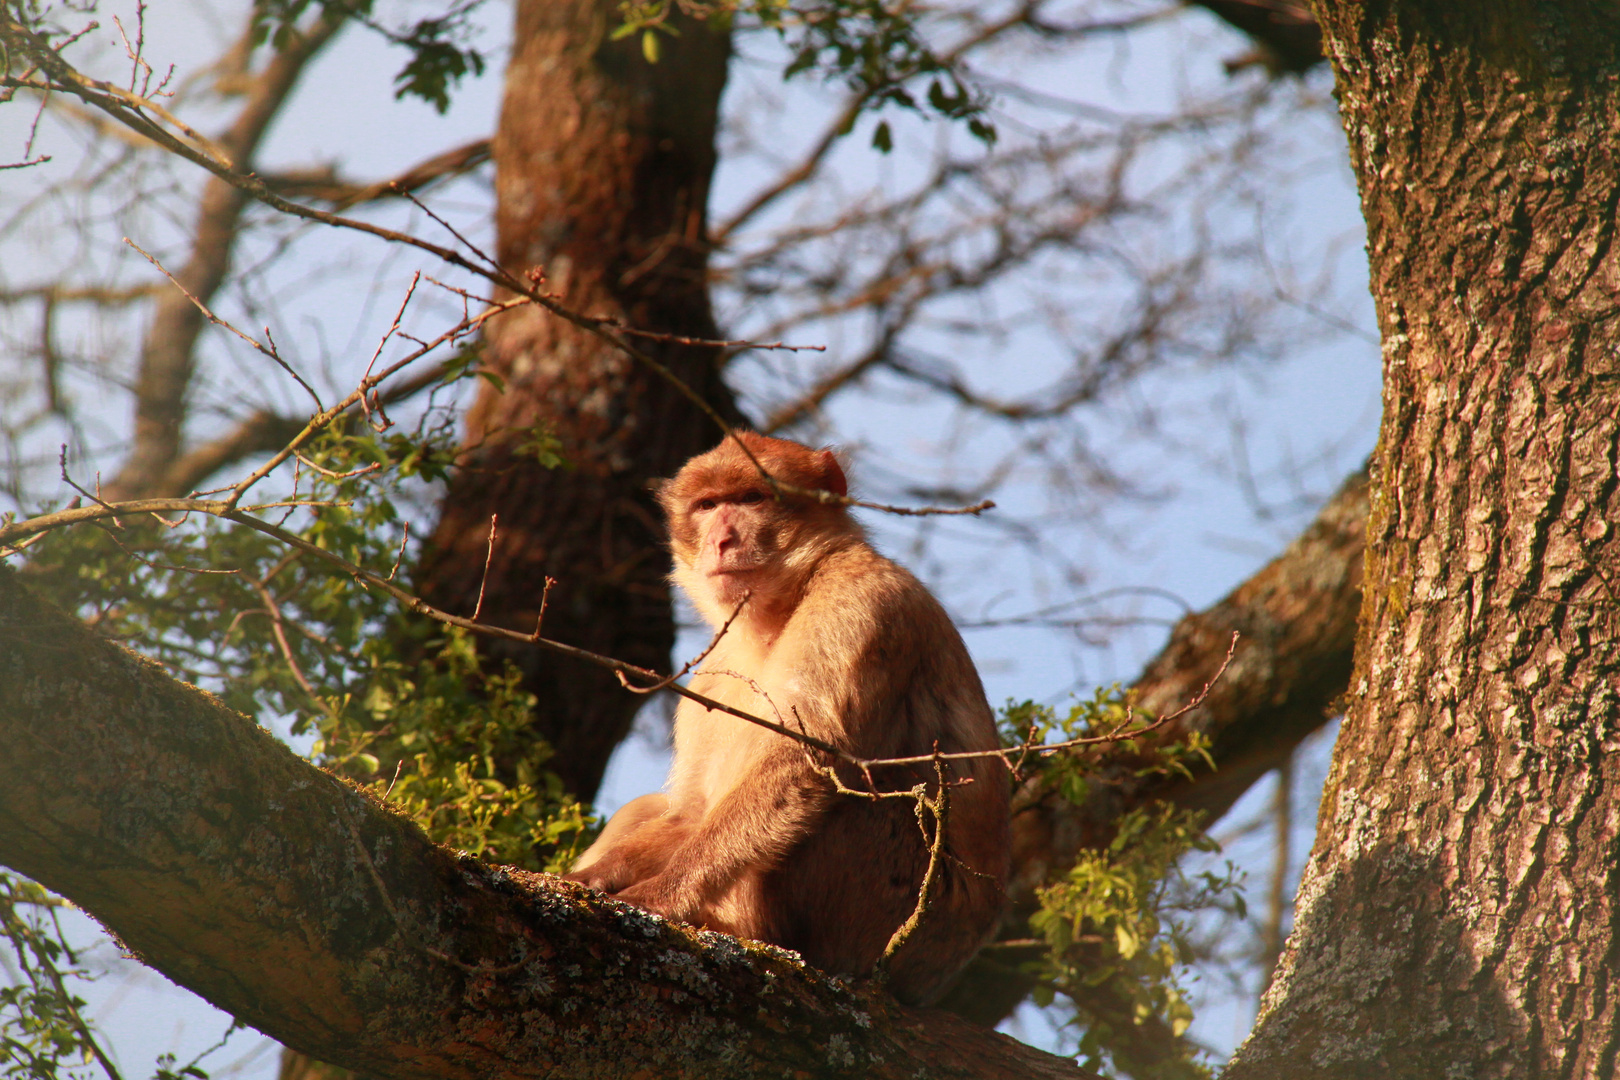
x=290, y=900
x=1458, y=914
x=603, y=164
x=1297, y=623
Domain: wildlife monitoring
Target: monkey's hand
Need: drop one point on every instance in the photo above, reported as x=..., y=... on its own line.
x=612, y=872
x=639, y=852
x=664, y=894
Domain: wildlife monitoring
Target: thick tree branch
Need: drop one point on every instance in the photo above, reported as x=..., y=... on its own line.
x=1297, y=621
x=1286, y=36
x=1297, y=618
x=289, y=899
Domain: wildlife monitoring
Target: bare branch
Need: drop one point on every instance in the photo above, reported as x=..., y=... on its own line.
x=323, y=185
x=687, y=667
x=938, y=808
x=65, y=78
x=277, y=627
x=266, y=350
x=489, y=556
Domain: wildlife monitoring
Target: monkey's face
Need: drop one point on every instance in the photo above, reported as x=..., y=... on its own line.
x=739, y=536
x=732, y=534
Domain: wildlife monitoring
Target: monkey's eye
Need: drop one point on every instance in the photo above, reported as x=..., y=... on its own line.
x=704, y=504
x=752, y=497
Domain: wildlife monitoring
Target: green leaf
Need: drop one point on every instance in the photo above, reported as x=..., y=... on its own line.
x=882, y=137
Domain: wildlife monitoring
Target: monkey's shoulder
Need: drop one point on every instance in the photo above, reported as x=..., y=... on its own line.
x=880, y=638
x=862, y=592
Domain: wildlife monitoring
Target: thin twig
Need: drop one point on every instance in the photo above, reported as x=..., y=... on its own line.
x=157, y=565
x=278, y=628
x=86, y=1037
x=330, y=474
x=217, y=321
x=404, y=536
x=399, y=765
x=449, y=228
x=696, y=660
x=489, y=556
x=939, y=807
x=545, y=598
x=718, y=343
x=393, y=329
x=1122, y=732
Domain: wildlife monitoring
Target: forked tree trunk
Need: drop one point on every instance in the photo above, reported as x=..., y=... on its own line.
x=603, y=164
x=1458, y=915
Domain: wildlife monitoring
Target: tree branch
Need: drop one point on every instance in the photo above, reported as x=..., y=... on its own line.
x=261, y=433
x=324, y=185
x=168, y=352
x=296, y=903
x=1286, y=37
x=1297, y=624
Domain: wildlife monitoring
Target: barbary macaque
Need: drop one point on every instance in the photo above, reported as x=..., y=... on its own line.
x=751, y=836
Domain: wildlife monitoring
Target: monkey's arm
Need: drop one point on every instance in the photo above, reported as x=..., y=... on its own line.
x=751, y=828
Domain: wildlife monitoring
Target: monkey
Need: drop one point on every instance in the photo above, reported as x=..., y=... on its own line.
x=751, y=836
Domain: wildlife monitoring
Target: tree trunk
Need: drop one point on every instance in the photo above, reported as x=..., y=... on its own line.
x=603, y=164
x=1458, y=913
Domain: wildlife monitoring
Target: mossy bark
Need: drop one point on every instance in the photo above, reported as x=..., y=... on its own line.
x=289, y=899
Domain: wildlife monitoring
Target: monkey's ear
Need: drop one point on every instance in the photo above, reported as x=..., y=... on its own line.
x=832, y=473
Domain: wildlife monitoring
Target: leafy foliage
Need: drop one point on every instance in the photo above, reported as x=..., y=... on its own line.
x=400, y=704
x=878, y=49
x=44, y=1034
x=440, y=56
x=464, y=765
x=1115, y=926
x=1116, y=934
x=41, y=1030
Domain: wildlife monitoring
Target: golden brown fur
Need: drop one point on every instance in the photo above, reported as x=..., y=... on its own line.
x=750, y=838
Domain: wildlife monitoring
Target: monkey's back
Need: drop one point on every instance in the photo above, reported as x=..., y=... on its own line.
x=889, y=676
